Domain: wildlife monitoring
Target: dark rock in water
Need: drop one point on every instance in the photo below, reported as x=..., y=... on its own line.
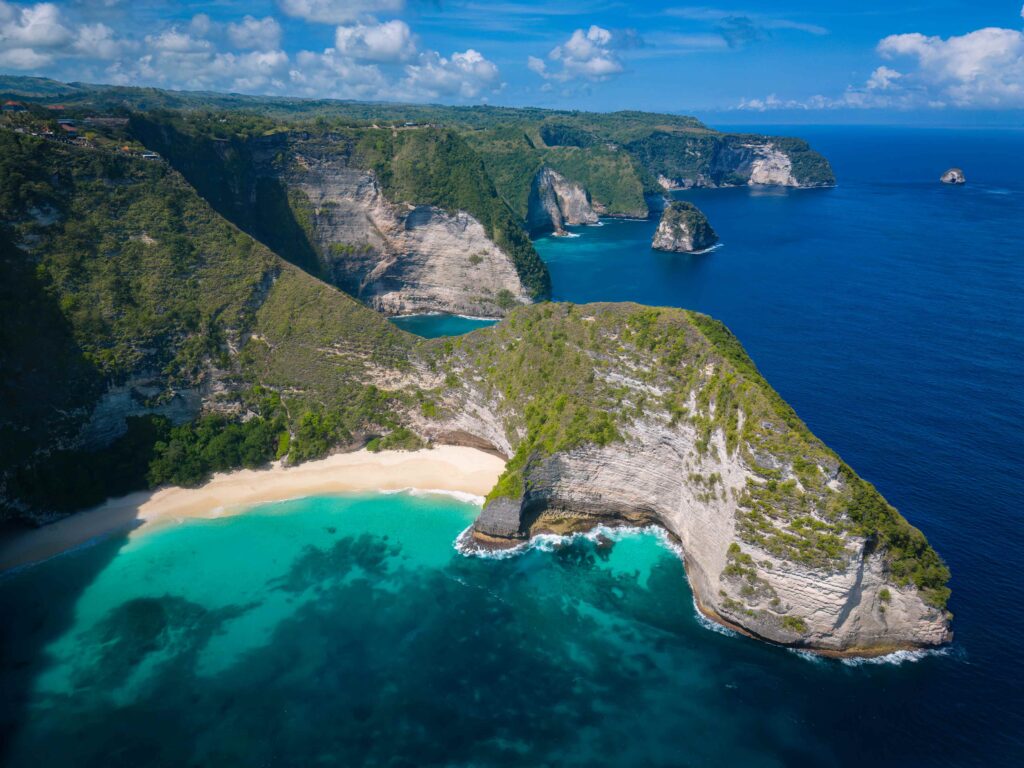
x=683, y=229
x=500, y=518
x=954, y=176
x=603, y=542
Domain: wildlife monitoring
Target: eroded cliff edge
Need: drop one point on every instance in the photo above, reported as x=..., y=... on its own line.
x=626, y=414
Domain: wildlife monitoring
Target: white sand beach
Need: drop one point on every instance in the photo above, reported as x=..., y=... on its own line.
x=443, y=468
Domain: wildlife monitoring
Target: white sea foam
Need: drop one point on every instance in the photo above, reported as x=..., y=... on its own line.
x=898, y=657
x=707, y=623
x=469, y=498
x=570, y=234
x=549, y=542
x=474, y=317
x=714, y=247
x=811, y=656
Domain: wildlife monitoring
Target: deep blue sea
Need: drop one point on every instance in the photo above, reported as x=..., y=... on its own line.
x=348, y=631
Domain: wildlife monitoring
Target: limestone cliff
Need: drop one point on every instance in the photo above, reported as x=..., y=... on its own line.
x=673, y=427
x=555, y=202
x=399, y=259
x=683, y=229
x=319, y=200
x=734, y=160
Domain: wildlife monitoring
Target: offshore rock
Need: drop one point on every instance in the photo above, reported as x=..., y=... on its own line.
x=556, y=202
x=953, y=176
x=683, y=229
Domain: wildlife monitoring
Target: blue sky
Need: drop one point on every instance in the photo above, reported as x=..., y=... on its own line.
x=942, y=61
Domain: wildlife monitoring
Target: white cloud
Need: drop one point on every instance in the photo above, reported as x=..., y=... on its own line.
x=23, y=58
x=32, y=27
x=984, y=68
x=537, y=65
x=883, y=78
x=35, y=36
x=466, y=75
x=201, y=25
x=590, y=54
x=330, y=75
x=369, y=60
x=390, y=41
x=338, y=11
x=252, y=33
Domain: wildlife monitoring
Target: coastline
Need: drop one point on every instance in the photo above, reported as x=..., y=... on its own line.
x=448, y=468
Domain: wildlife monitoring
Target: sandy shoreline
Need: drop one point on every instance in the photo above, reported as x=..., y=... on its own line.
x=444, y=468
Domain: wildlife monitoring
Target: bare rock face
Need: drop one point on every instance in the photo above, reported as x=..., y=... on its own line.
x=399, y=259
x=556, y=202
x=773, y=527
x=771, y=167
x=953, y=176
x=683, y=229
x=851, y=608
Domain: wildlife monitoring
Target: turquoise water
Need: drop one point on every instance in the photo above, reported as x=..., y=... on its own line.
x=349, y=631
x=432, y=326
x=887, y=311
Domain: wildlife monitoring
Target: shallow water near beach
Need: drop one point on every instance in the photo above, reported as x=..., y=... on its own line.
x=349, y=630
x=433, y=325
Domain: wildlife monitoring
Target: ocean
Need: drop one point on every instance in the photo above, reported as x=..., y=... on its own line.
x=350, y=631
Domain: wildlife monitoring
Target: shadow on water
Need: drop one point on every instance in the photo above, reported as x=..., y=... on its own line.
x=37, y=606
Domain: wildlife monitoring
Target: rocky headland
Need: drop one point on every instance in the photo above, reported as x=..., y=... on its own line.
x=683, y=229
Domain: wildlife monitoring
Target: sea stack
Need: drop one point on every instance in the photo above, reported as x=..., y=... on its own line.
x=556, y=202
x=683, y=229
x=954, y=176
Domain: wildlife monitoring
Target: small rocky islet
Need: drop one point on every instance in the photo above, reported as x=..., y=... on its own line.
x=953, y=176
x=683, y=229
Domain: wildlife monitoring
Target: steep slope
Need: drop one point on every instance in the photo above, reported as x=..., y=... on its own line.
x=197, y=350
x=129, y=307
x=359, y=209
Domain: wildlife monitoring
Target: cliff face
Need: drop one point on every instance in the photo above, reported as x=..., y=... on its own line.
x=314, y=199
x=398, y=259
x=728, y=160
x=555, y=202
x=656, y=476
x=782, y=540
x=683, y=229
